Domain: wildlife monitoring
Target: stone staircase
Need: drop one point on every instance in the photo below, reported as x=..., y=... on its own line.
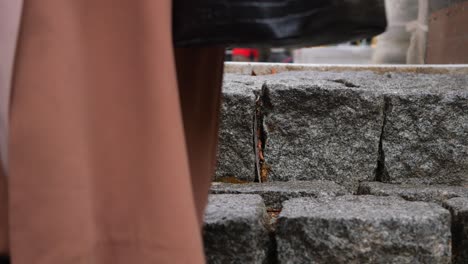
x=341, y=164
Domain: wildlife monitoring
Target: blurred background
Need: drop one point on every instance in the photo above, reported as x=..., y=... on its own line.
x=418, y=32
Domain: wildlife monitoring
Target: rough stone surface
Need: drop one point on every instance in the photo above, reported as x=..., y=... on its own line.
x=425, y=193
x=459, y=209
x=425, y=139
x=349, y=126
x=275, y=193
x=322, y=126
x=363, y=229
x=236, y=157
x=235, y=229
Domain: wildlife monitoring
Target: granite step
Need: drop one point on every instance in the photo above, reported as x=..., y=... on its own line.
x=345, y=124
x=454, y=198
x=363, y=229
x=236, y=230
x=334, y=227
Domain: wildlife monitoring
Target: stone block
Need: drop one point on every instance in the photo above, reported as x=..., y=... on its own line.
x=424, y=193
x=322, y=126
x=425, y=138
x=275, y=193
x=236, y=156
x=363, y=229
x=458, y=207
x=235, y=230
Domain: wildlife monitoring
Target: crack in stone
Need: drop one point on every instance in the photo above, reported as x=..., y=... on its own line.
x=255, y=139
x=260, y=136
x=262, y=105
x=345, y=83
x=381, y=173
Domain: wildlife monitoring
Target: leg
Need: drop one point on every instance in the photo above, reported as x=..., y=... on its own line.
x=98, y=164
x=199, y=73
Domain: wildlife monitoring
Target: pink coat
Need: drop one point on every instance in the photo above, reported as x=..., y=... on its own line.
x=112, y=133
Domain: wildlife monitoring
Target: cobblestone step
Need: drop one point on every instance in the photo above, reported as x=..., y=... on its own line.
x=454, y=198
x=236, y=230
x=396, y=137
x=345, y=124
x=459, y=209
x=333, y=228
x=363, y=229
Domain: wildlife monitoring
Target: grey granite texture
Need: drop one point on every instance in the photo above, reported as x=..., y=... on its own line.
x=348, y=127
x=235, y=230
x=236, y=157
x=425, y=139
x=275, y=193
x=363, y=229
x=458, y=207
x=322, y=126
x=425, y=193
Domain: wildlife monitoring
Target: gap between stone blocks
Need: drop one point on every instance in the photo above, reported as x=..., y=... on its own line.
x=262, y=104
x=260, y=137
x=381, y=174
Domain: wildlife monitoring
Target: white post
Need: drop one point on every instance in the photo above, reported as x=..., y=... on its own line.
x=418, y=28
x=392, y=45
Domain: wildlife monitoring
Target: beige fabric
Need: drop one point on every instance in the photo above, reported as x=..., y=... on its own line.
x=10, y=13
x=110, y=159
